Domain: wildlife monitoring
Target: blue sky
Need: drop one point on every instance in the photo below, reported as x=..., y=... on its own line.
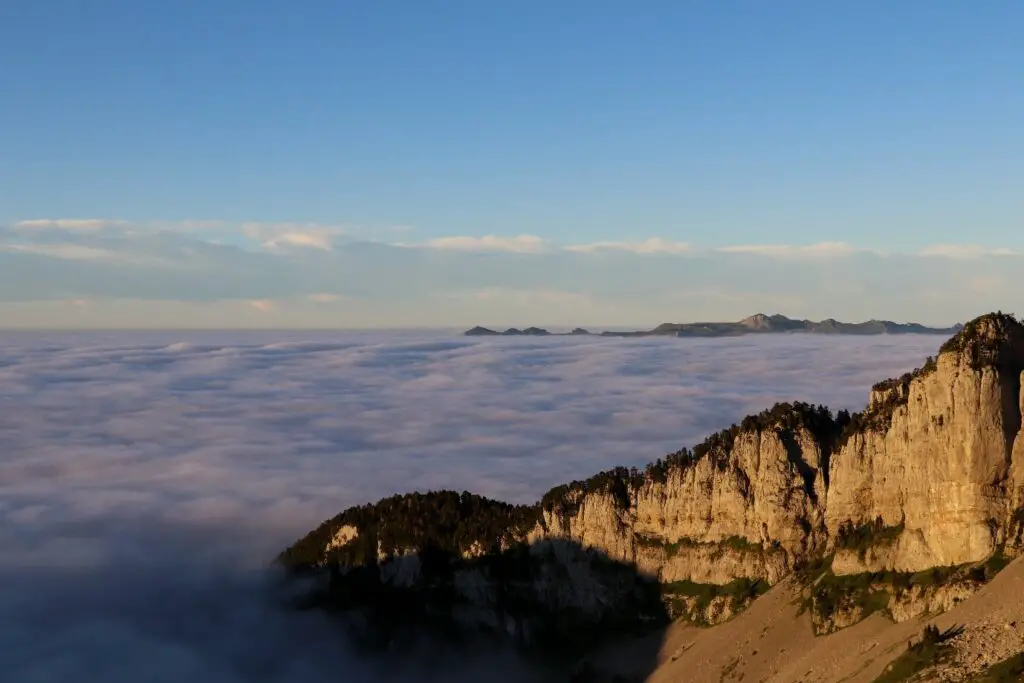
x=232, y=140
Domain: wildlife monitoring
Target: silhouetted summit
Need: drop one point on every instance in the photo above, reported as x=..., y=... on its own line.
x=510, y=332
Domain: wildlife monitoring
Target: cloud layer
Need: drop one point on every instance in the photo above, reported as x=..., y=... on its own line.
x=148, y=477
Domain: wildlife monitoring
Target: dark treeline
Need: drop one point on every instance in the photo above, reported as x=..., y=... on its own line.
x=444, y=521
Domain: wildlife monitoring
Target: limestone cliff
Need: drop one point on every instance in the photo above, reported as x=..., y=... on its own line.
x=934, y=452
x=930, y=474
x=748, y=502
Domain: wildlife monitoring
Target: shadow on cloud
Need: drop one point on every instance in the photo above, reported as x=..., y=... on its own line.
x=146, y=479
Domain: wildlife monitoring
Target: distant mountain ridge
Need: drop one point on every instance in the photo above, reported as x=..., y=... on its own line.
x=759, y=323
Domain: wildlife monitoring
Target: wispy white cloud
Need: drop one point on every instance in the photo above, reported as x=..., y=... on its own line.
x=62, y=251
x=653, y=245
x=966, y=251
x=325, y=298
x=73, y=224
x=263, y=305
x=305, y=235
x=109, y=254
x=271, y=235
x=520, y=244
x=823, y=249
x=301, y=239
x=186, y=226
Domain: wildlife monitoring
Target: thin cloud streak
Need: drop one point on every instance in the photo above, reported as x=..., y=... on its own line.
x=965, y=251
x=75, y=224
x=821, y=249
x=520, y=244
x=653, y=245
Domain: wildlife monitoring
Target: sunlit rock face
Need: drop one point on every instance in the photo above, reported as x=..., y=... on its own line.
x=930, y=474
x=945, y=460
x=749, y=510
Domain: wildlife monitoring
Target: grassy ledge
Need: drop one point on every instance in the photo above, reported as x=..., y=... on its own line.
x=836, y=601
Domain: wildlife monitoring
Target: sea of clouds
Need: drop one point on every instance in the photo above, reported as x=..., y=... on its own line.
x=147, y=478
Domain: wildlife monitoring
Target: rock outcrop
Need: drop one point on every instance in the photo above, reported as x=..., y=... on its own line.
x=930, y=474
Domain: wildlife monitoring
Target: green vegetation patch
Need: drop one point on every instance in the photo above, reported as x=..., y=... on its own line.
x=741, y=544
x=1016, y=531
x=864, y=593
x=691, y=600
x=734, y=543
x=870, y=592
x=932, y=649
x=866, y=536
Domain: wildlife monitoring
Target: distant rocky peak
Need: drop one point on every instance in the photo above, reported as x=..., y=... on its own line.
x=758, y=321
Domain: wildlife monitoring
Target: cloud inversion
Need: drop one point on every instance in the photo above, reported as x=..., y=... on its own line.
x=147, y=478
